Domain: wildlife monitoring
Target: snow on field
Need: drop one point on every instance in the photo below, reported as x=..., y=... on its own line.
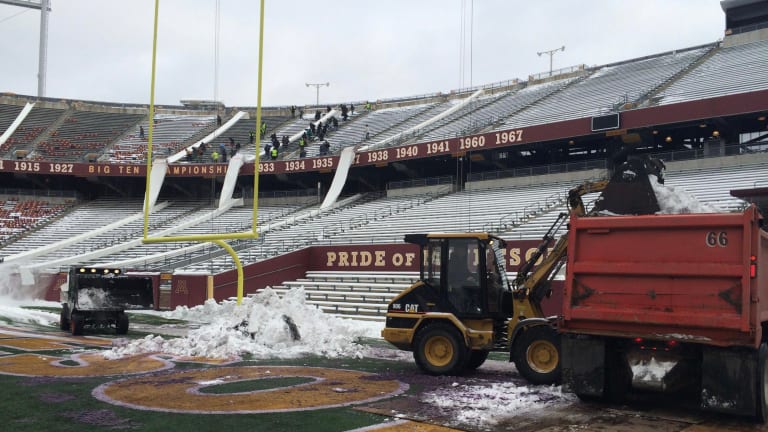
x=264, y=326
x=12, y=298
x=259, y=327
x=11, y=311
x=487, y=405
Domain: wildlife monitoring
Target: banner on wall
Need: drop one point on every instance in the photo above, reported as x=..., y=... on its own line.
x=397, y=257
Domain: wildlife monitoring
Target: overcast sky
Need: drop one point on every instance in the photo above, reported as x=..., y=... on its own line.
x=102, y=49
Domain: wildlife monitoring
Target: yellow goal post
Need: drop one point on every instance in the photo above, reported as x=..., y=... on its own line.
x=217, y=239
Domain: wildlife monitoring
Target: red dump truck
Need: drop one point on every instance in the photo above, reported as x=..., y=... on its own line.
x=670, y=303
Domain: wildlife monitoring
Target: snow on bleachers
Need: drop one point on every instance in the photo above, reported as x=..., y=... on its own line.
x=713, y=186
x=81, y=219
x=84, y=132
x=385, y=123
x=168, y=134
x=321, y=229
x=36, y=122
x=607, y=86
x=471, y=210
x=8, y=114
x=20, y=215
x=730, y=70
x=236, y=219
x=710, y=186
x=496, y=107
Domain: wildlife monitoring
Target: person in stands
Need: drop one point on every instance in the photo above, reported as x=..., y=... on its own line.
x=223, y=152
x=325, y=148
x=274, y=153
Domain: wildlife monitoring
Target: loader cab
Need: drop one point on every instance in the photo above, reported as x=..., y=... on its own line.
x=467, y=270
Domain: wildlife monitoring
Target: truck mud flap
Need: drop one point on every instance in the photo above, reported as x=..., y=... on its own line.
x=728, y=378
x=583, y=365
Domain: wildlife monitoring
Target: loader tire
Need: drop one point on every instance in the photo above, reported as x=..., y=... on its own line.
x=618, y=376
x=76, y=324
x=536, y=353
x=476, y=359
x=439, y=349
x=122, y=324
x=64, y=317
x=762, y=384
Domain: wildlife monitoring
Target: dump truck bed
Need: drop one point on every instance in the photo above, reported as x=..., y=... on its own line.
x=689, y=277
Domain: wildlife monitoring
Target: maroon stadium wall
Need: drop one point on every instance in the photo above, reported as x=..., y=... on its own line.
x=191, y=289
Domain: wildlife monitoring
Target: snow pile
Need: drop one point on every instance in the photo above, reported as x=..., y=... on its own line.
x=484, y=405
x=264, y=326
x=18, y=282
x=676, y=201
x=11, y=311
x=13, y=296
x=93, y=298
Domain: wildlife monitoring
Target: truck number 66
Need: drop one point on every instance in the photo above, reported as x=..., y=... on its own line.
x=717, y=239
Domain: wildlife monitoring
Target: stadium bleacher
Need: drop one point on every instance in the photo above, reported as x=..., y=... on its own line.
x=730, y=70
x=20, y=214
x=39, y=121
x=83, y=135
x=170, y=131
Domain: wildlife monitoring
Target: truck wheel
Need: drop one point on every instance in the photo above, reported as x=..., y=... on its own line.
x=618, y=376
x=76, y=324
x=536, y=353
x=762, y=383
x=122, y=324
x=64, y=317
x=440, y=350
x=476, y=359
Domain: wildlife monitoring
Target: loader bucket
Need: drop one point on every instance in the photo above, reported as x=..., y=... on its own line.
x=629, y=191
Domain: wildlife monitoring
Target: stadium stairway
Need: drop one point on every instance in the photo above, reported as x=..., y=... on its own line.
x=11, y=117
x=504, y=122
x=456, y=109
x=648, y=98
x=528, y=214
x=355, y=295
x=46, y=133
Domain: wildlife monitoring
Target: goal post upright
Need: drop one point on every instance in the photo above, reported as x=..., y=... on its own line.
x=217, y=239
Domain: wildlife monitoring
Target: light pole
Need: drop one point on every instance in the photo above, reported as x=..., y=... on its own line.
x=42, y=57
x=317, y=88
x=551, y=53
